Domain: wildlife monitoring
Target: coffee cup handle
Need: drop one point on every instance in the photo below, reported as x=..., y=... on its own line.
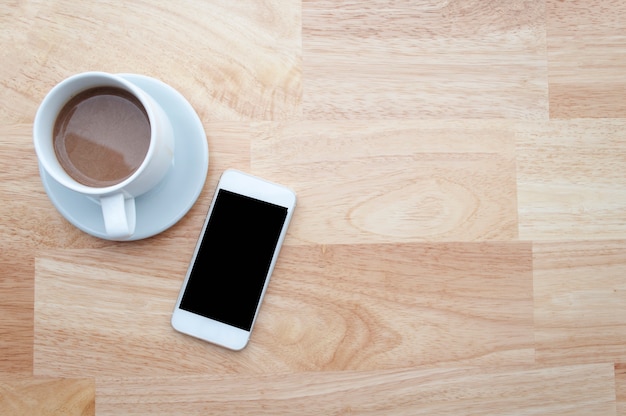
x=119, y=215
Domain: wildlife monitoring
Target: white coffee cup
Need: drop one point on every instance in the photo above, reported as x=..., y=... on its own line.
x=117, y=200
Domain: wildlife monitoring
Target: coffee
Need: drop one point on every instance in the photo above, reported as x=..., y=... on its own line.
x=101, y=136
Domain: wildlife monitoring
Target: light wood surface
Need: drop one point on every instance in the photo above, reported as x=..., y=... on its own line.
x=459, y=245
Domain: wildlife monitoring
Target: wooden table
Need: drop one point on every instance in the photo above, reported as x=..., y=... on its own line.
x=460, y=241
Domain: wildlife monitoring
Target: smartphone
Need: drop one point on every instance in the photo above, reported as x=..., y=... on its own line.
x=233, y=260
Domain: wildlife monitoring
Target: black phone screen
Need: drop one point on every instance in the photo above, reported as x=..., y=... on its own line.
x=229, y=272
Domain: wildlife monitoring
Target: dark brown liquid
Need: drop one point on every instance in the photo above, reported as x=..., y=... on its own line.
x=101, y=136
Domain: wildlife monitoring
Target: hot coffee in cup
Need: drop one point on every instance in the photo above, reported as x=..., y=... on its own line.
x=102, y=136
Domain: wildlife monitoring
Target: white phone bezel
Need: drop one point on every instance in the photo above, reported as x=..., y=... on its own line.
x=211, y=330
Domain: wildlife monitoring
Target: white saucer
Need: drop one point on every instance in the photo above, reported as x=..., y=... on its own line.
x=163, y=206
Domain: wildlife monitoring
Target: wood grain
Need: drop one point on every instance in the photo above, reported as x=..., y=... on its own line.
x=574, y=390
x=571, y=179
x=17, y=308
x=25, y=216
x=221, y=47
x=579, y=301
x=400, y=305
x=379, y=181
x=436, y=59
x=620, y=388
x=44, y=396
x=586, y=58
